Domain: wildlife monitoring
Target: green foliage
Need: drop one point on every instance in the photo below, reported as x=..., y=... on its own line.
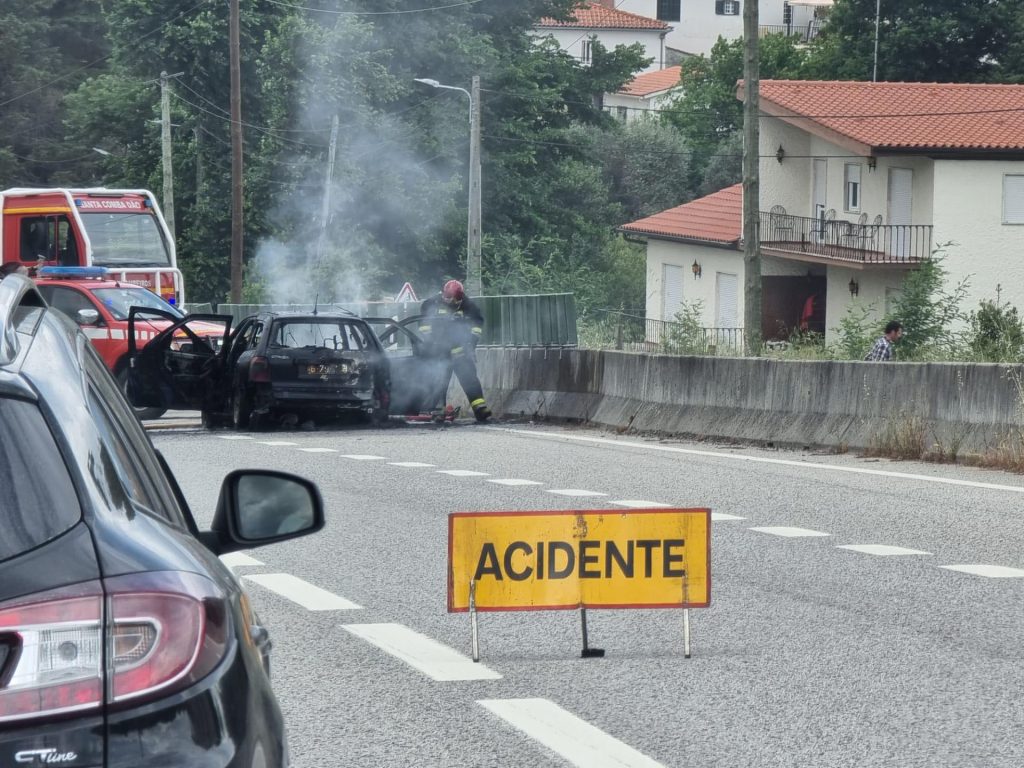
x=685, y=336
x=997, y=333
x=928, y=311
x=919, y=40
x=856, y=333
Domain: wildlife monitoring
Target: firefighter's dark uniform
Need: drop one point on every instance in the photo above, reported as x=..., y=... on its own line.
x=454, y=330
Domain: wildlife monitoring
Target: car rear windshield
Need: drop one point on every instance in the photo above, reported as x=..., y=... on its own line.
x=120, y=300
x=38, y=501
x=332, y=334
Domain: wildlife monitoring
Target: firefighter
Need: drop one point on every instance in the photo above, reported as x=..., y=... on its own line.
x=453, y=324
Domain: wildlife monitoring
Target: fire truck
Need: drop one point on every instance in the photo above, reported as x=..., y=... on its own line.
x=120, y=229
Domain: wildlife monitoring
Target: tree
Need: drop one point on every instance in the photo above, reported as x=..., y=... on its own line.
x=954, y=41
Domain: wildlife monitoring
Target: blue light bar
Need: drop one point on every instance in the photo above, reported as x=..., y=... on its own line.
x=73, y=273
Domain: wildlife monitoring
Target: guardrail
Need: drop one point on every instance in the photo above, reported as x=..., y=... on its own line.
x=843, y=240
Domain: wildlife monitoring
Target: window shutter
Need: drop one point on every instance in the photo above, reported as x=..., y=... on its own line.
x=720, y=7
x=1013, y=199
x=671, y=291
x=727, y=300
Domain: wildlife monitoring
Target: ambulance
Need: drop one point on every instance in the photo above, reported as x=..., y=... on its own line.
x=121, y=230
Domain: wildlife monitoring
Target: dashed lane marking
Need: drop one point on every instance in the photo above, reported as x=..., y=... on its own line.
x=991, y=571
x=461, y=473
x=362, y=457
x=788, y=532
x=435, y=660
x=576, y=740
x=239, y=559
x=234, y=437
x=883, y=550
x=410, y=464
x=319, y=450
x=803, y=465
x=514, y=482
x=302, y=592
x=724, y=517
x=276, y=442
x=576, y=492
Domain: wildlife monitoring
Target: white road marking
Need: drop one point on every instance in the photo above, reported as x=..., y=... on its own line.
x=319, y=450
x=361, y=457
x=514, y=482
x=410, y=464
x=883, y=550
x=765, y=460
x=234, y=437
x=576, y=740
x=436, y=661
x=462, y=473
x=991, y=571
x=238, y=559
x=576, y=492
x=302, y=592
x=788, y=532
x=640, y=504
x=276, y=442
x=723, y=516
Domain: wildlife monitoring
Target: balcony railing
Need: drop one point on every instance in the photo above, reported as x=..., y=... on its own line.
x=636, y=333
x=805, y=32
x=849, y=241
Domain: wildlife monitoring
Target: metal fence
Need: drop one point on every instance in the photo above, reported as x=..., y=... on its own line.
x=510, y=321
x=842, y=240
x=636, y=333
x=803, y=32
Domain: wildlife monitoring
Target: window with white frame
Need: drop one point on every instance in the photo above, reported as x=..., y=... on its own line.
x=1013, y=198
x=622, y=113
x=851, y=188
x=727, y=7
x=587, y=50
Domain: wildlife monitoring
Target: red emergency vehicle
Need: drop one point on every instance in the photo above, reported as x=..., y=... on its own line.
x=120, y=229
x=100, y=306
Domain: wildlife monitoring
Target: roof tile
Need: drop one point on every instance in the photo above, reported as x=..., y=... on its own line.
x=908, y=115
x=717, y=218
x=652, y=82
x=594, y=16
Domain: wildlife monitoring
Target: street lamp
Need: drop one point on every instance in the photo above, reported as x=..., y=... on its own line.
x=474, y=276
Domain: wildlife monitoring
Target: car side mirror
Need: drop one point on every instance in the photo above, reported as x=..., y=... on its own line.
x=87, y=317
x=258, y=507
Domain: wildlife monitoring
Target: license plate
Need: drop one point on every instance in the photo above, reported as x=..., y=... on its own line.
x=318, y=371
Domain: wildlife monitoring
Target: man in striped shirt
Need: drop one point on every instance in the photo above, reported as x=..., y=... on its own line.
x=882, y=350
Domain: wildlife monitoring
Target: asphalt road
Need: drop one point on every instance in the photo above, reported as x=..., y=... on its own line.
x=811, y=654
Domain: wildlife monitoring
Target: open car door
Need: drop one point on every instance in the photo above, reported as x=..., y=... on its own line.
x=181, y=367
x=419, y=372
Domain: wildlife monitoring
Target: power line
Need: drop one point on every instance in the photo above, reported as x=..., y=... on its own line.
x=91, y=64
x=372, y=13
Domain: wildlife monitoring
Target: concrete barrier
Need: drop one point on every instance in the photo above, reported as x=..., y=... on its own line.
x=964, y=407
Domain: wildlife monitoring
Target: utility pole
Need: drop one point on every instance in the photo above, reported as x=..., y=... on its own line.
x=878, y=18
x=236, y=152
x=474, y=266
x=751, y=183
x=325, y=209
x=200, y=175
x=165, y=146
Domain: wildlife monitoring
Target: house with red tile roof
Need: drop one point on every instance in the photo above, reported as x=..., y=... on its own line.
x=859, y=183
x=603, y=21
x=644, y=94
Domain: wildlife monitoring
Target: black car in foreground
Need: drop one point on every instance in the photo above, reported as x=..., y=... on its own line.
x=124, y=641
x=276, y=365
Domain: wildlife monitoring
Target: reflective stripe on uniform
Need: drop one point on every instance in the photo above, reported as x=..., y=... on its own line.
x=478, y=402
x=477, y=331
x=457, y=351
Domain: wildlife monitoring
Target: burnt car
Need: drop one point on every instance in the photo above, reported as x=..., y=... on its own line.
x=273, y=365
x=124, y=640
x=420, y=371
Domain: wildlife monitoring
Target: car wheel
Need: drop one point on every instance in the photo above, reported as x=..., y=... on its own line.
x=241, y=410
x=211, y=420
x=142, y=413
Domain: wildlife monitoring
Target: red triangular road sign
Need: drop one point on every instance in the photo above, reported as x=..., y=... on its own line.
x=406, y=295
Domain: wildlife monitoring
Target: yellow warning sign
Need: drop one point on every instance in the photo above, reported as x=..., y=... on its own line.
x=647, y=558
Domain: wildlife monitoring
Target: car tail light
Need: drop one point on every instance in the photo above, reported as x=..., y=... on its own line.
x=168, y=630
x=259, y=369
x=164, y=632
x=54, y=658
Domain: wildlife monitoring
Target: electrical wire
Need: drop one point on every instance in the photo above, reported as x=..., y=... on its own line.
x=373, y=13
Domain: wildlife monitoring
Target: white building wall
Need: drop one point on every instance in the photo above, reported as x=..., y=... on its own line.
x=572, y=41
x=636, y=107
x=695, y=289
x=969, y=213
x=700, y=27
x=876, y=289
x=787, y=183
